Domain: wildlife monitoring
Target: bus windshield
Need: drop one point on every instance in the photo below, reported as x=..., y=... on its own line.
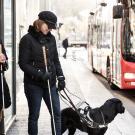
x=129, y=37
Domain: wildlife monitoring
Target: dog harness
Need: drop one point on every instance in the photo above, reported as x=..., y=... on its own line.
x=83, y=113
x=86, y=119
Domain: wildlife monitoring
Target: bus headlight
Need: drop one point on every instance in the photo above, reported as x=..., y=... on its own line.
x=129, y=75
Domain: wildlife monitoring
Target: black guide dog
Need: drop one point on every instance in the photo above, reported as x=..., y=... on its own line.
x=102, y=115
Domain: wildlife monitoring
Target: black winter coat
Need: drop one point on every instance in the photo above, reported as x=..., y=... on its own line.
x=65, y=43
x=31, y=57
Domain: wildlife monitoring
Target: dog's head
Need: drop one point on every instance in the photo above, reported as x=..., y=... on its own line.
x=109, y=110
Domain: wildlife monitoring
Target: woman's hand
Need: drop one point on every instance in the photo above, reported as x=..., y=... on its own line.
x=2, y=58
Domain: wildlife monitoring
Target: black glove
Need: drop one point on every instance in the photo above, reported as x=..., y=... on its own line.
x=44, y=76
x=61, y=83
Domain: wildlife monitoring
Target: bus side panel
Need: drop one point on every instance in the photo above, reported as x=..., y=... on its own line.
x=127, y=67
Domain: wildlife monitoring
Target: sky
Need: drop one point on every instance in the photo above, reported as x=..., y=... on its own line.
x=66, y=8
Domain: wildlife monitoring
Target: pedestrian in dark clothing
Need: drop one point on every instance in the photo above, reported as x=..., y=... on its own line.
x=4, y=91
x=31, y=61
x=65, y=46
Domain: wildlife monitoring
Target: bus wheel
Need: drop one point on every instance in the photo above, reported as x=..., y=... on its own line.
x=108, y=76
x=108, y=73
x=94, y=70
x=113, y=86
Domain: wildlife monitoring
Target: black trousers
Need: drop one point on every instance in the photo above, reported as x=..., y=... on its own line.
x=34, y=95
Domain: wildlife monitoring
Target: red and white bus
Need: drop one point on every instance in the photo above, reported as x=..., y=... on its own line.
x=111, y=42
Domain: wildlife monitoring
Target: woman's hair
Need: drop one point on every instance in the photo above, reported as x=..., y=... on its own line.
x=37, y=24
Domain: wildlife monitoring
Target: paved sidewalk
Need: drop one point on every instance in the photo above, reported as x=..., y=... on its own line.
x=96, y=94
x=84, y=84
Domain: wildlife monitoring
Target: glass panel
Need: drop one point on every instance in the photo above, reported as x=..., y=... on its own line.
x=129, y=35
x=132, y=25
x=8, y=47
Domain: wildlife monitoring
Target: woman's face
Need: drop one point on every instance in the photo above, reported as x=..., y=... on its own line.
x=44, y=28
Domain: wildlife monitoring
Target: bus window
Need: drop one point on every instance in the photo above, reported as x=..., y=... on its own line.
x=132, y=38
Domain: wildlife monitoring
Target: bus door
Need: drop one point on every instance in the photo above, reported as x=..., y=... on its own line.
x=116, y=64
x=99, y=57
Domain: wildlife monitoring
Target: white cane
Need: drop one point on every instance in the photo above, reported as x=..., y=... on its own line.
x=2, y=89
x=45, y=62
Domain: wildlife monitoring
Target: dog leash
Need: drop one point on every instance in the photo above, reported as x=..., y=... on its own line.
x=70, y=98
x=85, y=120
x=67, y=98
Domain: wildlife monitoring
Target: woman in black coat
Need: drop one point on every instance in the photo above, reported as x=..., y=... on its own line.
x=31, y=61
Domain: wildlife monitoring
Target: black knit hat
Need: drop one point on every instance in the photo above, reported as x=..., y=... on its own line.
x=49, y=18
